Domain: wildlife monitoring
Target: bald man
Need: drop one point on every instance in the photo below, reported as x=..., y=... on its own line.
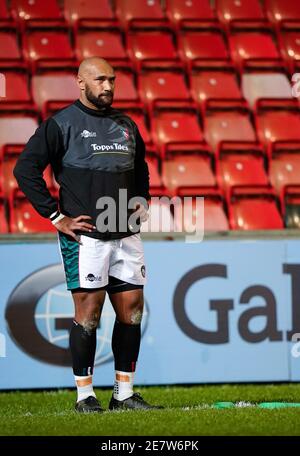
x=97, y=154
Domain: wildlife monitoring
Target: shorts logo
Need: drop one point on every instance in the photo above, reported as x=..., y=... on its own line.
x=92, y=278
x=88, y=134
x=143, y=271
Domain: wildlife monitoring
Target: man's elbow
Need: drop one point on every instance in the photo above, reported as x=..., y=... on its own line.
x=17, y=172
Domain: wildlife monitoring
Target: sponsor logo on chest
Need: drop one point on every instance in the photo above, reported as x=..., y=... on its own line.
x=88, y=134
x=109, y=147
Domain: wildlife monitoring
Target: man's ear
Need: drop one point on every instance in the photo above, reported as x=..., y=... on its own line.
x=80, y=82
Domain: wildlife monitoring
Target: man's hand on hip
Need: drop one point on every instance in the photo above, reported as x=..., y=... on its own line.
x=69, y=225
x=141, y=211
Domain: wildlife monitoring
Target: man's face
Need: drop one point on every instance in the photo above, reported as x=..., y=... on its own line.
x=100, y=86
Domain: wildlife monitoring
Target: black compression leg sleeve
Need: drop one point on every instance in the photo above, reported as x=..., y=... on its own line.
x=83, y=348
x=126, y=341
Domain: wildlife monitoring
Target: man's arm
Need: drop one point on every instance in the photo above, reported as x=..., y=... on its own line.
x=141, y=168
x=41, y=149
x=141, y=178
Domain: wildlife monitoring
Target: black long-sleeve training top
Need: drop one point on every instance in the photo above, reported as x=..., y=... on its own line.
x=93, y=154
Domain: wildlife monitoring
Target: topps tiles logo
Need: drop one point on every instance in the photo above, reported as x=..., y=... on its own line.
x=110, y=147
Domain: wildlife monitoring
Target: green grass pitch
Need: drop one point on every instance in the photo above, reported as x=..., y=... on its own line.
x=188, y=411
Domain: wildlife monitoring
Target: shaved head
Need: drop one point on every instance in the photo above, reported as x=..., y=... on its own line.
x=96, y=80
x=93, y=64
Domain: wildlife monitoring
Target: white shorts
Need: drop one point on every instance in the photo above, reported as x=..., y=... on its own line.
x=89, y=264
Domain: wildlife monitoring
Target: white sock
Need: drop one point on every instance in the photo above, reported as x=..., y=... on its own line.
x=123, y=387
x=84, y=387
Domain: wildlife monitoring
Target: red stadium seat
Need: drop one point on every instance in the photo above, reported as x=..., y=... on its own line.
x=254, y=208
x=285, y=166
x=54, y=88
x=17, y=94
x=9, y=50
x=154, y=46
x=215, y=218
x=254, y=48
x=138, y=10
x=239, y=164
x=36, y=10
x=228, y=125
x=291, y=206
x=5, y=17
x=3, y=220
x=187, y=169
x=4, y=14
x=189, y=11
x=214, y=215
x=203, y=46
x=106, y=44
x=279, y=11
x=239, y=11
x=268, y=84
x=88, y=12
x=162, y=85
x=48, y=48
x=10, y=156
x=274, y=124
x=289, y=43
x=153, y=165
x=209, y=85
x=16, y=129
x=25, y=219
x=176, y=127
x=125, y=90
x=138, y=116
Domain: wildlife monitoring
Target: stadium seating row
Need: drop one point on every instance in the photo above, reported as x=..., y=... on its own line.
x=207, y=86
x=245, y=47
x=181, y=127
x=238, y=195
x=126, y=11
x=237, y=164
x=53, y=89
x=245, y=208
